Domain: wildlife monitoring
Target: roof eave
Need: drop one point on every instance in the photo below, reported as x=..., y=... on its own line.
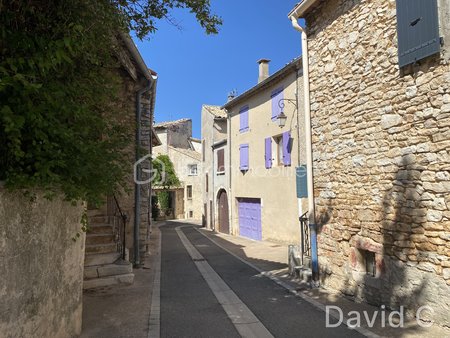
x=296, y=62
x=301, y=8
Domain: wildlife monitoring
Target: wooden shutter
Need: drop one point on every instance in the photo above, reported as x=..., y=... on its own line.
x=417, y=30
x=243, y=151
x=276, y=96
x=220, y=160
x=268, y=152
x=243, y=119
x=287, y=145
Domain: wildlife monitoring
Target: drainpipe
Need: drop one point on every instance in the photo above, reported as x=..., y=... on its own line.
x=309, y=158
x=137, y=187
x=229, y=171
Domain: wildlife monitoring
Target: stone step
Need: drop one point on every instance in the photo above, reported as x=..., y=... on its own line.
x=98, y=271
x=100, y=259
x=110, y=280
x=101, y=248
x=100, y=229
x=99, y=239
x=99, y=219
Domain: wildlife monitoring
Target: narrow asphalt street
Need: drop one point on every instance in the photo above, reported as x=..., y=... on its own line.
x=207, y=292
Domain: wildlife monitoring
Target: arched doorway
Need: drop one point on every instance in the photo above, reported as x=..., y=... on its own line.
x=224, y=225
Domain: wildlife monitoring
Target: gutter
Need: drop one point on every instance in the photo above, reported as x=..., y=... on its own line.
x=301, y=8
x=308, y=143
x=136, y=55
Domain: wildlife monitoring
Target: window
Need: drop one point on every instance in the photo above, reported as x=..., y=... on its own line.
x=417, y=30
x=191, y=214
x=189, y=191
x=193, y=170
x=276, y=96
x=369, y=259
x=206, y=182
x=243, y=152
x=243, y=119
x=283, y=148
x=220, y=161
x=203, y=150
x=268, y=152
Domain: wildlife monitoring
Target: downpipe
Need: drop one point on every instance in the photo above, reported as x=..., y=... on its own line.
x=309, y=158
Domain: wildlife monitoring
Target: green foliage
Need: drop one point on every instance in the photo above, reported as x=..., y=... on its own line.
x=60, y=124
x=165, y=176
x=57, y=77
x=164, y=199
x=141, y=15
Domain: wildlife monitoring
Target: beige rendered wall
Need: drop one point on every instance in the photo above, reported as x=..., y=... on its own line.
x=41, y=267
x=276, y=186
x=381, y=141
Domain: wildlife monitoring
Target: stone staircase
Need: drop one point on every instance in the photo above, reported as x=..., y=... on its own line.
x=103, y=265
x=302, y=273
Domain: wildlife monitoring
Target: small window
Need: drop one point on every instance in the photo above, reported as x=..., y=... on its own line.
x=243, y=119
x=191, y=214
x=278, y=151
x=203, y=150
x=220, y=161
x=189, y=191
x=193, y=171
x=206, y=182
x=369, y=259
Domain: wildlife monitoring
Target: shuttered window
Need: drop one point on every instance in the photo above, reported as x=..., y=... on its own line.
x=220, y=161
x=268, y=152
x=417, y=30
x=243, y=118
x=276, y=96
x=244, y=162
x=189, y=191
x=287, y=148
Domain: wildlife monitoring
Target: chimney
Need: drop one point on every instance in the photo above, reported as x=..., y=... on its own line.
x=263, y=69
x=232, y=95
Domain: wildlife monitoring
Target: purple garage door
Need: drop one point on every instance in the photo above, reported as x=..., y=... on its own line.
x=250, y=218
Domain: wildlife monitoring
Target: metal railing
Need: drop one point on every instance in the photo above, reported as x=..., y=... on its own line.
x=120, y=223
x=305, y=236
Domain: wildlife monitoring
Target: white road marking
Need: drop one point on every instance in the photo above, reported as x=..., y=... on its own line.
x=364, y=331
x=155, y=310
x=246, y=323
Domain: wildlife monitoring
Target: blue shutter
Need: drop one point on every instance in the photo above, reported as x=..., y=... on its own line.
x=287, y=145
x=243, y=151
x=268, y=152
x=417, y=30
x=243, y=119
x=276, y=96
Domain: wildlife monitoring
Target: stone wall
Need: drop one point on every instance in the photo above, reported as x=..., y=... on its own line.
x=381, y=143
x=41, y=267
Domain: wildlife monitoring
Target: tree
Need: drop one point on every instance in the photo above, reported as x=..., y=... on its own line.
x=165, y=175
x=59, y=128
x=140, y=15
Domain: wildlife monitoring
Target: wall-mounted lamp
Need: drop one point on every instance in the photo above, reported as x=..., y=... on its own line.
x=282, y=118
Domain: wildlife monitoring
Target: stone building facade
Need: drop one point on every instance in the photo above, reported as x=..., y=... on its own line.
x=381, y=147
x=215, y=169
x=178, y=144
x=263, y=156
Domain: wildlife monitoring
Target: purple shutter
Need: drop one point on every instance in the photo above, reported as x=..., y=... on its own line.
x=243, y=150
x=277, y=95
x=243, y=116
x=287, y=148
x=268, y=152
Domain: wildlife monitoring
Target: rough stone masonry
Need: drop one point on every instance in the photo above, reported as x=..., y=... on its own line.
x=381, y=143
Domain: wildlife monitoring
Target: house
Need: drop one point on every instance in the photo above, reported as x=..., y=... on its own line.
x=177, y=142
x=380, y=104
x=118, y=231
x=215, y=169
x=263, y=155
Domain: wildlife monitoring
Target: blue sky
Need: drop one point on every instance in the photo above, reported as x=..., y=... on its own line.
x=196, y=69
